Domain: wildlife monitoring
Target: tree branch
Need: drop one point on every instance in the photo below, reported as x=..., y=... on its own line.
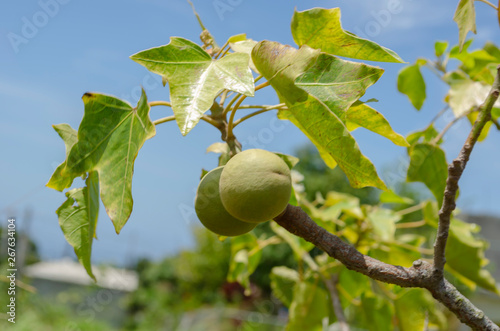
x=331, y=285
x=296, y=221
x=455, y=170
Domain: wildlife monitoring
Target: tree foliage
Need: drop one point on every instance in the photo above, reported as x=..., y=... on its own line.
x=319, y=93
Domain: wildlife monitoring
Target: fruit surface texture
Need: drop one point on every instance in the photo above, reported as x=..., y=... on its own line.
x=212, y=213
x=255, y=185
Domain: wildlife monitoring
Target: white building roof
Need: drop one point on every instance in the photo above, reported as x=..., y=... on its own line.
x=69, y=271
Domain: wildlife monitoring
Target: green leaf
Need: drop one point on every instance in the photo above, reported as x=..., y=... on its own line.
x=412, y=84
x=377, y=312
x=245, y=257
x=352, y=285
x=424, y=136
x=236, y=38
x=465, y=254
x=383, y=222
x=440, y=47
x=321, y=28
x=309, y=307
x=286, y=68
x=360, y=114
x=465, y=17
x=337, y=83
x=428, y=165
x=411, y=309
x=70, y=137
x=221, y=148
x=325, y=129
x=392, y=197
x=283, y=281
x=109, y=138
x=78, y=219
x=195, y=78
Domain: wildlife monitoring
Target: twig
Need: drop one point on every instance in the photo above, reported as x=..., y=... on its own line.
x=296, y=221
x=494, y=122
x=441, y=112
x=488, y=3
x=331, y=285
x=159, y=103
x=455, y=170
x=164, y=119
x=449, y=125
x=410, y=224
x=230, y=124
x=263, y=110
x=410, y=210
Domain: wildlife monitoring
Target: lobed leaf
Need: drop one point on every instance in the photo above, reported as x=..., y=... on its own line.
x=321, y=28
x=287, y=69
x=109, y=138
x=195, y=78
x=78, y=219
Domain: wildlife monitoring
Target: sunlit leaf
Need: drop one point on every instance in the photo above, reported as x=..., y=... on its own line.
x=412, y=84
x=287, y=68
x=337, y=83
x=290, y=160
x=383, y=222
x=245, y=46
x=465, y=17
x=109, y=138
x=70, y=137
x=464, y=95
x=360, y=114
x=78, y=219
x=428, y=165
x=321, y=28
x=309, y=307
x=195, y=78
x=283, y=281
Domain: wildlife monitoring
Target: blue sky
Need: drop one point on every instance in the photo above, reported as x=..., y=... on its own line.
x=85, y=46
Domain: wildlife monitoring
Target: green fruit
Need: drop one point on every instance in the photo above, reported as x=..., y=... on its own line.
x=255, y=186
x=210, y=210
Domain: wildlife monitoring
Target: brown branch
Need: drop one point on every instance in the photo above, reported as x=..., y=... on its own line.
x=296, y=221
x=455, y=170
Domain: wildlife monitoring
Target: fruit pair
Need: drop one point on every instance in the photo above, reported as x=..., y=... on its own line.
x=253, y=187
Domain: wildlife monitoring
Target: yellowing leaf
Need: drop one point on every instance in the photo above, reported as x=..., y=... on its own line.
x=360, y=114
x=195, y=78
x=291, y=72
x=321, y=28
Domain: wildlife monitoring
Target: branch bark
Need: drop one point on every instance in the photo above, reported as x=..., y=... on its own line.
x=455, y=170
x=421, y=274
